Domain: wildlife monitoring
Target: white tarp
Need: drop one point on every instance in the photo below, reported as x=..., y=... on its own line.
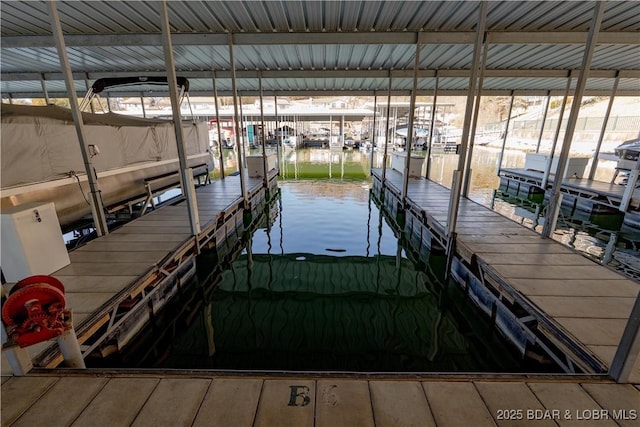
x=40, y=143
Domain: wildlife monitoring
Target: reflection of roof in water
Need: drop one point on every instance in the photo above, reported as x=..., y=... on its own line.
x=328, y=313
x=325, y=275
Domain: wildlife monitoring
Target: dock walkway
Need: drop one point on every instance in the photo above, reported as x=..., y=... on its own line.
x=208, y=400
x=117, y=269
x=581, y=305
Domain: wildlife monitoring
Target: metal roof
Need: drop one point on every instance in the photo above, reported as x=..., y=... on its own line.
x=320, y=47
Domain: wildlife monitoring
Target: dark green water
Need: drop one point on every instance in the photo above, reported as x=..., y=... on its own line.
x=323, y=285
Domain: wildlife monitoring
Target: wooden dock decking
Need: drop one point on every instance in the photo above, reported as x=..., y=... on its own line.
x=587, y=302
x=208, y=400
x=118, y=266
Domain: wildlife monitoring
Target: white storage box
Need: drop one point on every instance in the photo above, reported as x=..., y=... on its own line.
x=398, y=162
x=575, y=165
x=32, y=241
x=255, y=166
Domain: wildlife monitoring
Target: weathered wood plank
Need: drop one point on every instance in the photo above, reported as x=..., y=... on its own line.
x=118, y=403
x=399, y=403
x=537, y=259
x=105, y=268
x=580, y=288
x=588, y=307
x=150, y=257
x=343, y=403
x=567, y=403
x=604, y=352
x=445, y=398
x=286, y=403
x=85, y=302
x=560, y=272
x=508, y=403
x=119, y=236
x=594, y=331
x=99, y=284
x=105, y=246
x=174, y=402
x=62, y=403
x=19, y=393
x=616, y=397
x=515, y=248
x=230, y=402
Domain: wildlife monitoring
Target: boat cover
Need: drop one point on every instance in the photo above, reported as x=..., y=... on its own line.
x=39, y=143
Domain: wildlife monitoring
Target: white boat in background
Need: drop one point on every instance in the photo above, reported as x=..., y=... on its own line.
x=41, y=159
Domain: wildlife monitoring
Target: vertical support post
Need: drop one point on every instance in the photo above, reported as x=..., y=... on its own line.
x=238, y=129
x=264, y=143
x=506, y=134
x=480, y=30
x=544, y=120
x=373, y=129
x=187, y=174
x=554, y=200
x=412, y=107
x=341, y=130
x=44, y=89
x=218, y=126
x=278, y=141
x=242, y=131
x=547, y=169
x=17, y=357
x=87, y=87
x=625, y=367
x=594, y=162
x=476, y=111
x=630, y=187
x=432, y=124
x=97, y=207
x=69, y=346
x=386, y=133
x=144, y=112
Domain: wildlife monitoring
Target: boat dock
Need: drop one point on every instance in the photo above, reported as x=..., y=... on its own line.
x=203, y=399
x=587, y=195
x=537, y=290
x=112, y=280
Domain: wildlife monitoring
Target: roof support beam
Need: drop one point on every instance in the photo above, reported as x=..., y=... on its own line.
x=342, y=38
x=382, y=74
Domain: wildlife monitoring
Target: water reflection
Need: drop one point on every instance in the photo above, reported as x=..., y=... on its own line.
x=325, y=284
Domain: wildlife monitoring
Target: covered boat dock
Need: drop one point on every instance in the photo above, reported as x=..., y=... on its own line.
x=375, y=49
